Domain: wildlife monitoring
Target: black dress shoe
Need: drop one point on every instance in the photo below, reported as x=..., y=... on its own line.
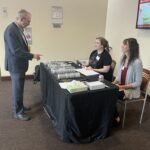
x=116, y=123
x=25, y=109
x=22, y=117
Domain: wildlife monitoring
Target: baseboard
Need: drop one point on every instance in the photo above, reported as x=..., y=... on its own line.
x=7, y=78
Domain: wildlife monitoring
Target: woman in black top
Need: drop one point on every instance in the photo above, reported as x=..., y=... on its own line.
x=100, y=60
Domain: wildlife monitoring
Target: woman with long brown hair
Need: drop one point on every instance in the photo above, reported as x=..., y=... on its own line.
x=129, y=77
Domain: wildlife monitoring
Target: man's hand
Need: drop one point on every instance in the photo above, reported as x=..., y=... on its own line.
x=37, y=56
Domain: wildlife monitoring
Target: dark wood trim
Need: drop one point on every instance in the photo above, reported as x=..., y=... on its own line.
x=7, y=78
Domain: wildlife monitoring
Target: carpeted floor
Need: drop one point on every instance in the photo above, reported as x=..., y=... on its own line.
x=39, y=134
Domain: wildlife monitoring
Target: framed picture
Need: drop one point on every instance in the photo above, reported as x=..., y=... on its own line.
x=57, y=16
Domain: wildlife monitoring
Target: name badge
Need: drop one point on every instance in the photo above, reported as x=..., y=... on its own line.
x=97, y=58
x=122, y=68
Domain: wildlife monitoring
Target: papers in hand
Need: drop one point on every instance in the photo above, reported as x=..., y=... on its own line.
x=95, y=85
x=87, y=72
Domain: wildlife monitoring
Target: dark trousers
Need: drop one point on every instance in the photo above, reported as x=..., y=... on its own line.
x=120, y=97
x=17, y=91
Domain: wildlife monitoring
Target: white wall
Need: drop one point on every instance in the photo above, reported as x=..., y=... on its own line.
x=83, y=21
x=121, y=21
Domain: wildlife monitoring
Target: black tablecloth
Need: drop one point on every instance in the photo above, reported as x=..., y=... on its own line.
x=79, y=117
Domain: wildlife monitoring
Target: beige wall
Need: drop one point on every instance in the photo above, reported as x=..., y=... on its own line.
x=121, y=21
x=83, y=20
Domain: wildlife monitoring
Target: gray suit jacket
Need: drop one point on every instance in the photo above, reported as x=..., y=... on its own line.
x=17, y=54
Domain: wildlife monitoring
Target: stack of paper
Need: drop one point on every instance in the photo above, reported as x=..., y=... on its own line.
x=74, y=86
x=95, y=85
x=87, y=72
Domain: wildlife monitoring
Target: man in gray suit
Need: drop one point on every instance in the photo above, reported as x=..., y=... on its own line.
x=17, y=56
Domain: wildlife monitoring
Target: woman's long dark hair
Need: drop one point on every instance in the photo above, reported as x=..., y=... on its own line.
x=133, y=50
x=105, y=43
